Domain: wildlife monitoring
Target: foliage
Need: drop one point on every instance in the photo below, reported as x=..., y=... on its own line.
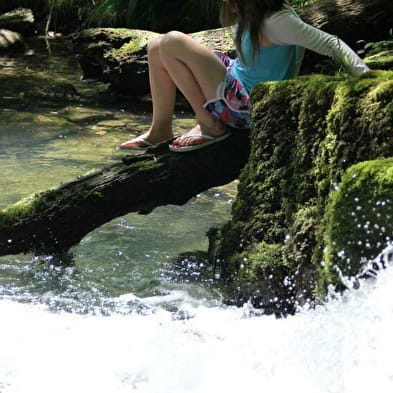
x=155, y=15
x=301, y=3
x=373, y=48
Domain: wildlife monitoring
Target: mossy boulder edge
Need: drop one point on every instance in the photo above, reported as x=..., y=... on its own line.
x=306, y=133
x=358, y=219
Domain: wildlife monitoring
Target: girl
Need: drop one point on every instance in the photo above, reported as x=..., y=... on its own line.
x=270, y=40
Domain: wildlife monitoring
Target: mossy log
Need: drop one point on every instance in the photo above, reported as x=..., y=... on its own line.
x=54, y=221
x=351, y=20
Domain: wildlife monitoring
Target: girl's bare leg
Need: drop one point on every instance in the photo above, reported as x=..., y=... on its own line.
x=177, y=60
x=163, y=93
x=197, y=72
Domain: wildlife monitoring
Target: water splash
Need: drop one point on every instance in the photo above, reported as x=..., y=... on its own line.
x=369, y=269
x=344, y=346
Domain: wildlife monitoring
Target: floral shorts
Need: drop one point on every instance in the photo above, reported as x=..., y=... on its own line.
x=232, y=103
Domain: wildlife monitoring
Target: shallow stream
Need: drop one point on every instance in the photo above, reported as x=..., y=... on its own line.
x=137, y=310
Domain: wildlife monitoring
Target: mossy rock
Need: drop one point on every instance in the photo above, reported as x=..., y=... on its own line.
x=359, y=218
x=119, y=56
x=11, y=41
x=306, y=133
x=382, y=60
x=379, y=55
x=19, y=20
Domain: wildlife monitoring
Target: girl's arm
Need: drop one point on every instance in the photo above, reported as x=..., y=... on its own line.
x=286, y=28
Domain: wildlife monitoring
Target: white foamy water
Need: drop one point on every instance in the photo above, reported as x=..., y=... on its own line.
x=343, y=347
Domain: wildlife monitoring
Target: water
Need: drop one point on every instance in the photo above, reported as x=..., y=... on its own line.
x=137, y=309
x=343, y=347
x=46, y=141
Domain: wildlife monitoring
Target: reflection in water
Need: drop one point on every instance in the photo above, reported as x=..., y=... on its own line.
x=343, y=347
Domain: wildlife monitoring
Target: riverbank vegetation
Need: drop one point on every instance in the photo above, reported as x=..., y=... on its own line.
x=156, y=15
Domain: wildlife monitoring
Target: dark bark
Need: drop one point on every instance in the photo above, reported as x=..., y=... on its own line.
x=59, y=219
x=350, y=20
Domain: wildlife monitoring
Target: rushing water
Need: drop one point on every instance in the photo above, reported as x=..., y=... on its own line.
x=128, y=314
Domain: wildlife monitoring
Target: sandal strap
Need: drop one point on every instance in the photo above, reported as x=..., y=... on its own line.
x=209, y=137
x=143, y=140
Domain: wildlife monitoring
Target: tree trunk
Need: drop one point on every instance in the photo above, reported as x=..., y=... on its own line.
x=350, y=20
x=58, y=219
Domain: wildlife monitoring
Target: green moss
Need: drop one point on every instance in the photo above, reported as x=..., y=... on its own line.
x=144, y=165
x=359, y=216
x=129, y=48
x=382, y=60
x=120, y=34
x=305, y=134
x=136, y=42
x=262, y=263
x=97, y=34
x=40, y=203
x=27, y=207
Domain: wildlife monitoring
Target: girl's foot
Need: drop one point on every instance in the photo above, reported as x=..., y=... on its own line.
x=141, y=142
x=199, y=135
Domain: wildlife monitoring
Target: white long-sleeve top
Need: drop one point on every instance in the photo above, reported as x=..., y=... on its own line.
x=285, y=27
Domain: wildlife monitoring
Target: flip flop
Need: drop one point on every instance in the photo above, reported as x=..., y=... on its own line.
x=209, y=140
x=138, y=143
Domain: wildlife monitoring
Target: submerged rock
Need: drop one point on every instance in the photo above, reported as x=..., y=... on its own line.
x=61, y=91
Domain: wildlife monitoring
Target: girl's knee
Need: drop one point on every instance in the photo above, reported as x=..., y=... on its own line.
x=154, y=46
x=172, y=39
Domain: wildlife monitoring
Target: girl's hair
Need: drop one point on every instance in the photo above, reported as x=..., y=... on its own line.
x=248, y=15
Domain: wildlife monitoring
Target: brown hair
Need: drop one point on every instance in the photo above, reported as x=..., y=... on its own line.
x=247, y=15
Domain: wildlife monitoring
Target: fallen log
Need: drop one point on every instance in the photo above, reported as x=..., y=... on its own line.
x=55, y=220
x=351, y=20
